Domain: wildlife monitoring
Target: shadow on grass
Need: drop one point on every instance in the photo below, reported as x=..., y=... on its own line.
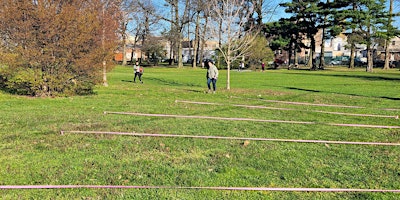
x=129, y=81
x=285, y=68
x=365, y=77
x=308, y=90
x=301, y=89
x=196, y=91
x=172, y=83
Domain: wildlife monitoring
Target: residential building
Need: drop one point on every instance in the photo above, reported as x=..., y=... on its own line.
x=132, y=53
x=394, y=50
x=338, y=47
x=188, y=50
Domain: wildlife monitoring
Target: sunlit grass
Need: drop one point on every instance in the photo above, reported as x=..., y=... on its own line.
x=35, y=153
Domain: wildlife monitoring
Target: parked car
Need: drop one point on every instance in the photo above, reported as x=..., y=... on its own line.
x=379, y=63
x=336, y=62
x=359, y=62
x=340, y=61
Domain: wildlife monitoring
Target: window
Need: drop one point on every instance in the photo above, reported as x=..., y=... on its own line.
x=393, y=43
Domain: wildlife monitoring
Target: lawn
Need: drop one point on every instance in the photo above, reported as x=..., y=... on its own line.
x=33, y=152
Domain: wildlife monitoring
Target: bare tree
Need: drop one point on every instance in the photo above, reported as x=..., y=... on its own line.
x=178, y=18
x=199, y=7
x=179, y=21
x=143, y=19
x=231, y=26
x=109, y=17
x=123, y=27
x=203, y=37
x=264, y=10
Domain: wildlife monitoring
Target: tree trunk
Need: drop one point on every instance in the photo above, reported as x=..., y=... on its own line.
x=291, y=51
x=179, y=34
x=228, y=75
x=195, y=42
x=180, y=61
x=387, y=54
x=124, y=59
x=311, y=61
x=352, y=52
x=203, y=40
x=228, y=70
x=352, y=45
x=322, y=54
x=369, y=58
x=370, y=63
x=105, y=83
x=387, y=41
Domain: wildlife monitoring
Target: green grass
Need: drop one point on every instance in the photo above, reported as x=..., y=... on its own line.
x=33, y=152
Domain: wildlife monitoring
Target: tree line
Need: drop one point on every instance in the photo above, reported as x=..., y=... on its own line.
x=57, y=47
x=235, y=24
x=242, y=33
x=366, y=22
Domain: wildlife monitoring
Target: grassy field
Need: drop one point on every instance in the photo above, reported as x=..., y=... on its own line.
x=33, y=152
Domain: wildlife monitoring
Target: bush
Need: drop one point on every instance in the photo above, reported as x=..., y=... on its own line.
x=22, y=82
x=27, y=81
x=54, y=49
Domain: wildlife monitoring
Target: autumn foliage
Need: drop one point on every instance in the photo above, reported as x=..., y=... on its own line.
x=55, y=47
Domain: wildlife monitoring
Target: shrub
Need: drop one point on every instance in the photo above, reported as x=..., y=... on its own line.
x=54, y=48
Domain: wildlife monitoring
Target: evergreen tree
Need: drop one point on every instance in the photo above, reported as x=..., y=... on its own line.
x=307, y=18
x=285, y=35
x=364, y=20
x=389, y=33
x=375, y=17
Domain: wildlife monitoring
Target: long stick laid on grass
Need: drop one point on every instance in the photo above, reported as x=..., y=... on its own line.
x=249, y=119
x=303, y=103
x=314, y=104
x=276, y=108
x=8, y=187
x=230, y=138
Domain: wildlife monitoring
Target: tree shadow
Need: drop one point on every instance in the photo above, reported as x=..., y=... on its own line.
x=173, y=83
x=302, y=89
x=365, y=77
x=308, y=90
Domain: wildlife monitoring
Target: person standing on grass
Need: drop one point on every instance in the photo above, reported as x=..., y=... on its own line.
x=207, y=66
x=212, y=73
x=138, y=72
x=240, y=66
x=262, y=66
